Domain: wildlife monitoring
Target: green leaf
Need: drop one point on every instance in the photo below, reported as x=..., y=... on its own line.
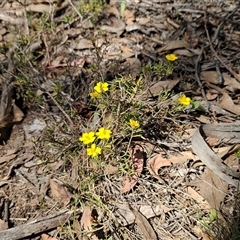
x=197, y=106
x=213, y=215
x=122, y=8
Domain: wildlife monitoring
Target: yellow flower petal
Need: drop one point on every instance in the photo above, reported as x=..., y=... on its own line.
x=87, y=138
x=94, y=150
x=95, y=94
x=171, y=57
x=105, y=87
x=133, y=123
x=101, y=87
x=184, y=100
x=103, y=133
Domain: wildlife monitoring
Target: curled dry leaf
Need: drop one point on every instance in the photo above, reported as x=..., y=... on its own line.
x=182, y=157
x=86, y=219
x=176, y=44
x=59, y=192
x=127, y=52
x=86, y=223
x=144, y=226
x=129, y=17
x=214, y=196
x=155, y=163
x=227, y=103
x=117, y=27
x=137, y=158
x=227, y=132
x=17, y=113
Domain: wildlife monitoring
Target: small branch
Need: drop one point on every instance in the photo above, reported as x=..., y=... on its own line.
x=7, y=18
x=36, y=226
x=237, y=76
x=60, y=108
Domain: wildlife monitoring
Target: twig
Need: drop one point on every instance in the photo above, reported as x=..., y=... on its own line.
x=74, y=8
x=60, y=108
x=197, y=67
x=6, y=18
x=36, y=226
x=237, y=76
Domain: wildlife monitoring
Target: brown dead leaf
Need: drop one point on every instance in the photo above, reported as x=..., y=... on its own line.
x=204, y=119
x=129, y=17
x=227, y=103
x=227, y=132
x=38, y=8
x=144, y=226
x=6, y=121
x=184, y=52
x=183, y=157
x=11, y=154
x=156, y=163
x=134, y=65
x=86, y=219
x=176, y=44
x=209, y=76
x=83, y=44
x=212, y=141
x=86, y=223
x=143, y=21
x=126, y=216
x=211, y=96
x=17, y=113
x=47, y=237
x=230, y=83
x=113, y=10
x=213, y=189
x=158, y=87
x=59, y=192
x=3, y=225
x=117, y=26
x=127, y=52
x=137, y=159
x=197, y=196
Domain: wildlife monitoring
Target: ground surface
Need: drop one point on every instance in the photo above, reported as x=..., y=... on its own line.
x=167, y=159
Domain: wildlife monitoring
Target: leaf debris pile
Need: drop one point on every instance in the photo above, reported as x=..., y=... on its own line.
x=119, y=120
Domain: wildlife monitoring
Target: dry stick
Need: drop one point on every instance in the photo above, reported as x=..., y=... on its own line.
x=197, y=67
x=36, y=226
x=74, y=8
x=60, y=108
x=237, y=76
x=16, y=21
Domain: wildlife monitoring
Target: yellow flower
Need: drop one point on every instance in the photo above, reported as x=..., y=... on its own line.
x=133, y=123
x=101, y=87
x=184, y=100
x=94, y=94
x=171, y=57
x=94, y=150
x=103, y=133
x=87, y=138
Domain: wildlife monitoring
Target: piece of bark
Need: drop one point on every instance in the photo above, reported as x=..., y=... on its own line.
x=36, y=226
